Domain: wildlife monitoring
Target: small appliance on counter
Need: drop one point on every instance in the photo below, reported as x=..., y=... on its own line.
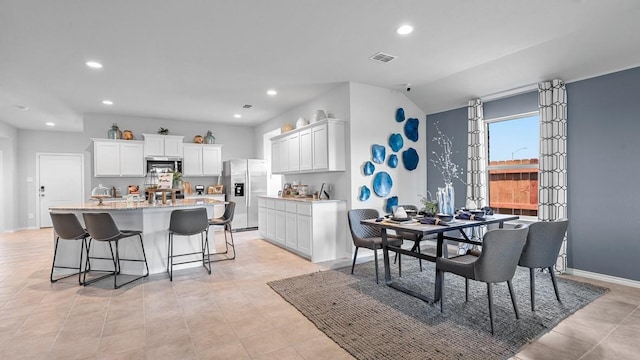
x=199, y=189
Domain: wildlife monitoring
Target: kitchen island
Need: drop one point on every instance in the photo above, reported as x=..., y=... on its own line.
x=312, y=228
x=151, y=219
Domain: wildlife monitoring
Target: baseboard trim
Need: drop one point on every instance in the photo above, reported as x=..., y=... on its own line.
x=603, y=277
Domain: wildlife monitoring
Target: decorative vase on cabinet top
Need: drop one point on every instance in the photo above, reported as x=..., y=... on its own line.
x=209, y=138
x=301, y=122
x=198, y=139
x=319, y=115
x=127, y=135
x=114, y=132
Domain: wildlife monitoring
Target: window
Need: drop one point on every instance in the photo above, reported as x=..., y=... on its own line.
x=513, y=145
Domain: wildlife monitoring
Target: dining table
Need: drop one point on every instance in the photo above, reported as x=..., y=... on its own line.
x=422, y=230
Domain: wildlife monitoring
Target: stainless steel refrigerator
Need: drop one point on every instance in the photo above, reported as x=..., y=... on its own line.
x=244, y=180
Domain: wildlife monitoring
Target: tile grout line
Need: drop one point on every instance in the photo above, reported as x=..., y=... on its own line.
x=609, y=333
x=193, y=345
x=75, y=301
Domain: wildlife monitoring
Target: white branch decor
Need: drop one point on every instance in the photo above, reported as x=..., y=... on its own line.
x=442, y=161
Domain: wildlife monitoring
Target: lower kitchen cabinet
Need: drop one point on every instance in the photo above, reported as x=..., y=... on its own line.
x=313, y=229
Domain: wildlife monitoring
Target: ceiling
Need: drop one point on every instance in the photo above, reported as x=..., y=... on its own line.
x=203, y=60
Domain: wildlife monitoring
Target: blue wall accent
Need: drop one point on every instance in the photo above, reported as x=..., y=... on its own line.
x=603, y=171
x=603, y=167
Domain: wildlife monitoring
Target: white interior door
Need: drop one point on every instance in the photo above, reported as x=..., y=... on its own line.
x=60, y=181
x=274, y=182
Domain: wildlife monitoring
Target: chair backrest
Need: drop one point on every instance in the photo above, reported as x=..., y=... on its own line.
x=67, y=226
x=361, y=231
x=501, y=249
x=101, y=226
x=229, y=210
x=188, y=221
x=543, y=243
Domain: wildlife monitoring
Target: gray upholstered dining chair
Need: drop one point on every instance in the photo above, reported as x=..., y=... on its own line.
x=68, y=227
x=541, y=251
x=415, y=238
x=225, y=221
x=187, y=222
x=501, y=249
x=368, y=237
x=101, y=227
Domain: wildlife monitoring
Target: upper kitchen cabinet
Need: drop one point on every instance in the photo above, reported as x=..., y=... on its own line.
x=162, y=145
x=118, y=158
x=318, y=147
x=202, y=160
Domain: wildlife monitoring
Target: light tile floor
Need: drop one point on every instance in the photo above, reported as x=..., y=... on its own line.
x=231, y=314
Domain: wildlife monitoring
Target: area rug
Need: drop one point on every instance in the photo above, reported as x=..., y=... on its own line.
x=374, y=321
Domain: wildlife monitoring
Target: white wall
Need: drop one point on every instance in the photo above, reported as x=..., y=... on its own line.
x=8, y=148
x=373, y=112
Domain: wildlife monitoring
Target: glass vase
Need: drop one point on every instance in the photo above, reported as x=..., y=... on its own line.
x=114, y=132
x=446, y=199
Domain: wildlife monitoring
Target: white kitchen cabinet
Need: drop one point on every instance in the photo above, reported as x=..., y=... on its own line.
x=162, y=145
x=304, y=230
x=118, y=158
x=202, y=160
x=293, y=148
x=306, y=150
x=262, y=217
x=318, y=147
x=276, y=164
x=313, y=229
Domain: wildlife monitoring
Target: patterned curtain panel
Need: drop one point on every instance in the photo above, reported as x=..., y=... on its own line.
x=476, y=155
x=552, y=176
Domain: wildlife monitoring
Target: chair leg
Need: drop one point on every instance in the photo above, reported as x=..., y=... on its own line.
x=202, y=243
x=399, y=265
x=170, y=258
x=375, y=257
x=82, y=242
x=441, y=290
x=233, y=244
x=144, y=255
x=418, y=251
x=490, y=296
x=532, y=287
x=555, y=284
x=513, y=299
x=466, y=290
x=53, y=265
x=355, y=256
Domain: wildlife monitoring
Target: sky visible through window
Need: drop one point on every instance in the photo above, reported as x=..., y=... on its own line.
x=514, y=139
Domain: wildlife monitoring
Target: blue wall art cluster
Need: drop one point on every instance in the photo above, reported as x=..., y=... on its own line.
x=382, y=181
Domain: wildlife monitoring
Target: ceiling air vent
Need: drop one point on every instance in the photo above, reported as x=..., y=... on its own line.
x=247, y=106
x=382, y=57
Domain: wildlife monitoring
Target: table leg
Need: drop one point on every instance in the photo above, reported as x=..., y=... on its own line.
x=438, y=285
x=385, y=253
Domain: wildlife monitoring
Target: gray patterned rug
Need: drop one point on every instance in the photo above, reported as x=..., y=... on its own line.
x=373, y=321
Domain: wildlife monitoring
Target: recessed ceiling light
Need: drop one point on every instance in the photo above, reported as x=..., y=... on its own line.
x=237, y=116
x=272, y=92
x=94, y=64
x=404, y=30
x=50, y=124
x=107, y=102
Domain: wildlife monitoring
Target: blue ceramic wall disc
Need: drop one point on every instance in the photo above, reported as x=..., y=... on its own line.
x=393, y=161
x=364, y=193
x=400, y=115
x=368, y=168
x=378, y=153
x=411, y=129
x=391, y=202
x=396, y=142
x=382, y=184
x=410, y=159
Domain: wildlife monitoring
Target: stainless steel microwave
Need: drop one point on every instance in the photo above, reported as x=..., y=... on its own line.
x=164, y=165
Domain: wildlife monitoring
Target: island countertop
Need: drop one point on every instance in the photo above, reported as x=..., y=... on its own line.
x=299, y=199
x=137, y=205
